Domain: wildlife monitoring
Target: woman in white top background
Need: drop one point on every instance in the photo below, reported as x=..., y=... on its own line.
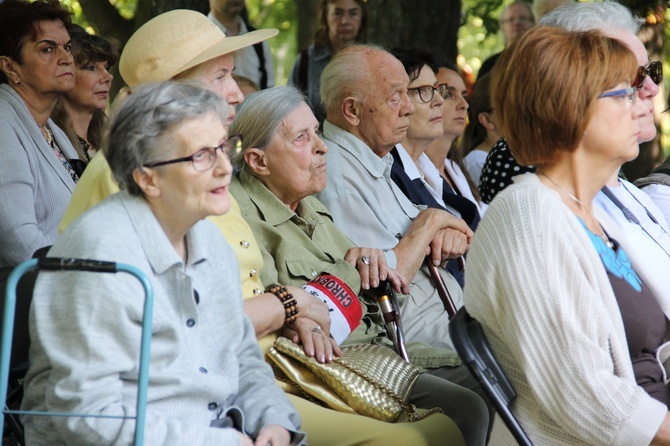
x=443, y=151
x=481, y=133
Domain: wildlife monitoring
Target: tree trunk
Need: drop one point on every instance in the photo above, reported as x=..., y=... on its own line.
x=106, y=20
x=161, y=6
x=104, y=17
x=431, y=25
x=306, y=22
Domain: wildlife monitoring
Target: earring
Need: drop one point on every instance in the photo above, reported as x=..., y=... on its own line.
x=17, y=81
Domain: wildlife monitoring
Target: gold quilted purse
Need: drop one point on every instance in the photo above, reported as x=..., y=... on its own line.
x=369, y=380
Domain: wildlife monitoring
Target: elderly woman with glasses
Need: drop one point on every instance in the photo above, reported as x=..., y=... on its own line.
x=208, y=383
x=571, y=322
x=413, y=171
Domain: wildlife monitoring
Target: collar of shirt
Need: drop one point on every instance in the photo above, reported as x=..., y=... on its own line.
x=243, y=26
x=157, y=248
x=273, y=210
x=376, y=166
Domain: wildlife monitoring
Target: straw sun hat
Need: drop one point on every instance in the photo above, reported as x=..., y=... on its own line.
x=175, y=41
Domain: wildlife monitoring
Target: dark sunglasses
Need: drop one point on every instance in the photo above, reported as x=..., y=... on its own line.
x=655, y=72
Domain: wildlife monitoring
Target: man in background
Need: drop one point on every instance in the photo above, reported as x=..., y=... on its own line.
x=515, y=20
x=253, y=62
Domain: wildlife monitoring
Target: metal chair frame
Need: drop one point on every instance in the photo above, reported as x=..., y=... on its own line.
x=62, y=264
x=475, y=352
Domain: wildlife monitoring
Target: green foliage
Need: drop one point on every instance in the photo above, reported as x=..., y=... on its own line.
x=665, y=117
x=478, y=36
x=282, y=15
x=75, y=7
x=125, y=7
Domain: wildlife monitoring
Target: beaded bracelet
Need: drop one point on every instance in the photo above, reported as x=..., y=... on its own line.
x=287, y=300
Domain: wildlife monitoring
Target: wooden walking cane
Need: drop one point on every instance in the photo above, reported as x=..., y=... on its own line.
x=441, y=287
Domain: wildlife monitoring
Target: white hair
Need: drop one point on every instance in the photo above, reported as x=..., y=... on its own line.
x=604, y=16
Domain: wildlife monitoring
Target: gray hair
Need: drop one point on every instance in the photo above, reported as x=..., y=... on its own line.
x=347, y=74
x=603, y=16
x=260, y=115
x=139, y=131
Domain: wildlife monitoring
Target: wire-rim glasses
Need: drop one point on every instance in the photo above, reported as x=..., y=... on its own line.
x=629, y=93
x=205, y=159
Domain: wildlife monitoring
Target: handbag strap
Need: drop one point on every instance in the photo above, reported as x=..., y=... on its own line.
x=442, y=289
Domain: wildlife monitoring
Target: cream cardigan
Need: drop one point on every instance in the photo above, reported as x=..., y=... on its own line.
x=538, y=287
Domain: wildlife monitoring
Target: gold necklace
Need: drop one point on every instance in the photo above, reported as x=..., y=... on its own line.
x=602, y=235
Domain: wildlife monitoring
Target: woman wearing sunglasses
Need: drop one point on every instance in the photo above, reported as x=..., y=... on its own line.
x=413, y=171
x=647, y=240
x=613, y=20
x=571, y=322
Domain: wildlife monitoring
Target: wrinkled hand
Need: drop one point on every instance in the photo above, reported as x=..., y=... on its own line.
x=311, y=307
x=273, y=434
x=372, y=274
x=447, y=220
x=449, y=244
x=316, y=342
x=399, y=283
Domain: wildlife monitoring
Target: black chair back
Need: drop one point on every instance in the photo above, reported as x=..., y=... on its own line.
x=475, y=352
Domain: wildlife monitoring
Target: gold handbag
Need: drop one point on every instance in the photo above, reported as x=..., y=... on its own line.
x=369, y=380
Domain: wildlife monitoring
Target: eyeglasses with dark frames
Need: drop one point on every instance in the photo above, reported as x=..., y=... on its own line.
x=204, y=159
x=655, y=72
x=427, y=92
x=629, y=93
